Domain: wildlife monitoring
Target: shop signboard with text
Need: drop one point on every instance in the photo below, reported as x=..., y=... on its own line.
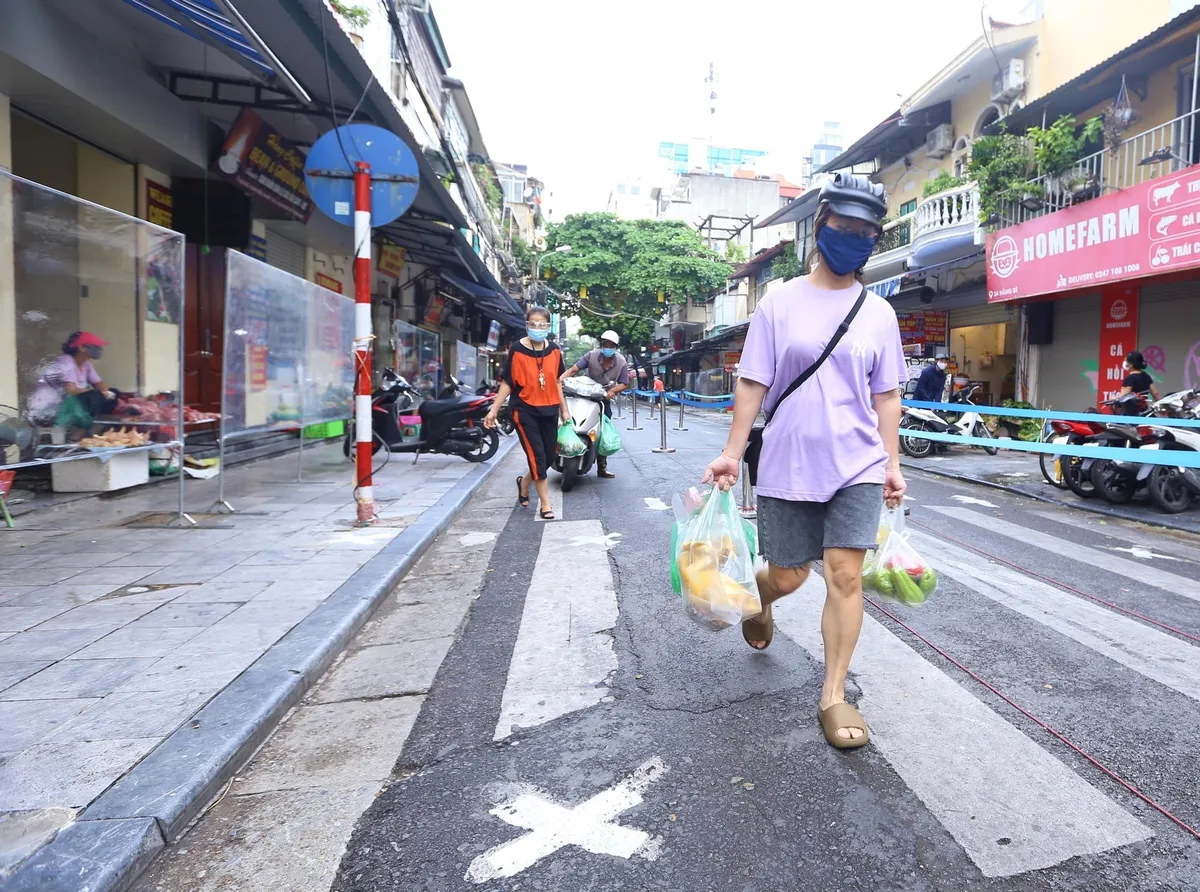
x=1118, y=336
x=266, y=165
x=1145, y=230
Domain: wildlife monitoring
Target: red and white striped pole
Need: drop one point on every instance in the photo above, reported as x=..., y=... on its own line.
x=364, y=493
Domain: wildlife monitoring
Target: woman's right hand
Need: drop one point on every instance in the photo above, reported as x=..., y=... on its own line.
x=489, y=420
x=722, y=472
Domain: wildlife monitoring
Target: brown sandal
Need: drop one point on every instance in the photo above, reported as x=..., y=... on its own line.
x=759, y=628
x=842, y=715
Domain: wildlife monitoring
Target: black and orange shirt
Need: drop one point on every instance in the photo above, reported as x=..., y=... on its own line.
x=533, y=377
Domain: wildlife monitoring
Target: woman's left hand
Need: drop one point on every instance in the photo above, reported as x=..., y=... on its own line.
x=894, y=487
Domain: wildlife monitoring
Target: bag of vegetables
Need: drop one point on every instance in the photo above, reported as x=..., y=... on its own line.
x=895, y=570
x=715, y=564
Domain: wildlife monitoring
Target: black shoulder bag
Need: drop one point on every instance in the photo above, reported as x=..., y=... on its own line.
x=754, y=444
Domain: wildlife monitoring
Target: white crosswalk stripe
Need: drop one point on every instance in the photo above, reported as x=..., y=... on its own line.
x=1139, y=572
x=564, y=652
x=1133, y=644
x=945, y=740
x=958, y=755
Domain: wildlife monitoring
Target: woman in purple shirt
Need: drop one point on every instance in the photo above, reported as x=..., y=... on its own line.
x=830, y=454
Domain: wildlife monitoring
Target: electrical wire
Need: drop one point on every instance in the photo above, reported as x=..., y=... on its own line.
x=329, y=86
x=988, y=40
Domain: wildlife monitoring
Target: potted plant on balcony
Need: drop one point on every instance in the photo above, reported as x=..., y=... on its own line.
x=943, y=182
x=999, y=166
x=1057, y=147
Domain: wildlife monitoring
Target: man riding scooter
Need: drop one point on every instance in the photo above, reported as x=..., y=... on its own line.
x=609, y=369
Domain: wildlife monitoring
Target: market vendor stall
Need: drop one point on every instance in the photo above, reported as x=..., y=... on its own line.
x=81, y=274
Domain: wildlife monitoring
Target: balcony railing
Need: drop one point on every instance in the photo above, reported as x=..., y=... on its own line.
x=947, y=210
x=1148, y=155
x=896, y=234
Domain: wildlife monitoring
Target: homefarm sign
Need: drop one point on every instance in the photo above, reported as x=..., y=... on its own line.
x=1145, y=230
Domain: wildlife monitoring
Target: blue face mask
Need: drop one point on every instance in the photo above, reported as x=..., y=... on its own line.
x=845, y=252
x=537, y=335
x=608, y=352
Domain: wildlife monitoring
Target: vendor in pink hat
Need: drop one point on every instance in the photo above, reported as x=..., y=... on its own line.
x=70, y=392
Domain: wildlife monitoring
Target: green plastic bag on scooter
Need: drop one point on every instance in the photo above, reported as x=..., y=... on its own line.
x=569, y=444
x=609, y=441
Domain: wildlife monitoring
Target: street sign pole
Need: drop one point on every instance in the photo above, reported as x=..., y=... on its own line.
x=363, y=337
x=361, y=176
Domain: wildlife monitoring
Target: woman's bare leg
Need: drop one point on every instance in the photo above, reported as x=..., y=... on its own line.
x=776, y=582
x=841, y=621
x=543, y=491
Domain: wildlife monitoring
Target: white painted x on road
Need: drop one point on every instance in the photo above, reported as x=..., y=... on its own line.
x=587, y=825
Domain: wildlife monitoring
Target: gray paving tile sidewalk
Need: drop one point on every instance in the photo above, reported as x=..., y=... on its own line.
x=112, y=637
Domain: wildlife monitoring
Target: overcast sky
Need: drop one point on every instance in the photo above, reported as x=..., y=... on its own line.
x=584, y=91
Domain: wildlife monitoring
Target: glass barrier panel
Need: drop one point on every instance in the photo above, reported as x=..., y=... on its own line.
x=90, y=329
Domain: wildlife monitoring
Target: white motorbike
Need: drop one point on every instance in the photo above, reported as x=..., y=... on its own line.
x=969, y=424
x=1173, y=489
x=585, y=402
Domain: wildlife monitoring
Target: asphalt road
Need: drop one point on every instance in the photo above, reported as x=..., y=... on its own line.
x=583, y=734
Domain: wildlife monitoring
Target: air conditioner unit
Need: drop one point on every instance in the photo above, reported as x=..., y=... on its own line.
x=939, y=141
x=1010, y=83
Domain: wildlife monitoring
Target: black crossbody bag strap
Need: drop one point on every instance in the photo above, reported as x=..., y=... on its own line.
x=829, y=348
x=754, y=445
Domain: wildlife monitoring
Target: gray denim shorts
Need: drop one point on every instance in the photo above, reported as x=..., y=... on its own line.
x=792, y=534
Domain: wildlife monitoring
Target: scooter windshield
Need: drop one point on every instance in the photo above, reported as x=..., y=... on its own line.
x=583, y=387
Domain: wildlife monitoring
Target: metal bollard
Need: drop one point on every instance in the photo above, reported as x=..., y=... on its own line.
x=617, y=404
x=633, y=411
x=653, y=402
x=748, y=509
x=663, y=447
x=681, y=427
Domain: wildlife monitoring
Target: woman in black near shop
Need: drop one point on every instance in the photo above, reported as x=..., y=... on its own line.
x=1137, y=379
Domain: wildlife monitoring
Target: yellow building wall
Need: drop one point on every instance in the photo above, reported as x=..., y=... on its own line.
x=108, y=264
x=1076, y=35
x=8, y=297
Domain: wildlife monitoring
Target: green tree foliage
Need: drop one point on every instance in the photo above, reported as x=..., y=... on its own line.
x=522, y=256
x=787, y=266
x=354, y=16
x=625, y=265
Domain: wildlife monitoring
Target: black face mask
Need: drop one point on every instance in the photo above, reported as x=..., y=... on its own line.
x=94, y=352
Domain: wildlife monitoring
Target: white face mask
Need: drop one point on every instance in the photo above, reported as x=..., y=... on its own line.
x=942, y=366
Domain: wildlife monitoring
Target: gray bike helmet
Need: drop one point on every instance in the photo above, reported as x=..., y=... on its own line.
x=857, y=197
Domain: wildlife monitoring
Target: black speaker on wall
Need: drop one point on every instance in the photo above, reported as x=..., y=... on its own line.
x=1040, y=319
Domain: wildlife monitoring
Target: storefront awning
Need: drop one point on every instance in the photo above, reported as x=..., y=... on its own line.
x=495, y=303
x=794, y=210
x=712, y=342
x=219, y=24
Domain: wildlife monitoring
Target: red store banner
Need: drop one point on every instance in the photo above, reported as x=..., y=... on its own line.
x=1118, y=336
x=1145, y=230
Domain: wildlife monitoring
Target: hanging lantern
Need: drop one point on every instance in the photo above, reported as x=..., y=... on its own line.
x=583, y=292
x=1122, y=109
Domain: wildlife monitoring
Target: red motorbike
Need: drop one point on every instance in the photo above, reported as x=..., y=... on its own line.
x=1070, y=472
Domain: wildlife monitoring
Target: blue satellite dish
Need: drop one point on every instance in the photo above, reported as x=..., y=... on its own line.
x=329, y=173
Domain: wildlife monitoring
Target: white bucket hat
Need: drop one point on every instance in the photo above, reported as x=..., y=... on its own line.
x=611, y=335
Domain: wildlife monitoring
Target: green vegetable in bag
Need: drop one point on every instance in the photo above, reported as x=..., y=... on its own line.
x=906, y=589
x=883, y=584
x=569, y=443
x=928, y=581
x=609, y=442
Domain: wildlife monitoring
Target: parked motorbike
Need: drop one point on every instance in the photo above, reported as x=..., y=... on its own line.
x=1064, y=471
x=585, y=402
x=451, y=426
x=1076, y=469
x=1173, y=489
x=969, y=424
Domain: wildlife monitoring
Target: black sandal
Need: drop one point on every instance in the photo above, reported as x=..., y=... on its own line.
x=548, y=514
x=523, y=500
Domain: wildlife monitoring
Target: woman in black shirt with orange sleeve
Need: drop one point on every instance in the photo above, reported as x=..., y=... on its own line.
x=531, y=378
x=1137, y=379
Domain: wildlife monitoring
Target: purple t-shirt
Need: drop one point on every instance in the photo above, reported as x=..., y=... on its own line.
x=825, y=437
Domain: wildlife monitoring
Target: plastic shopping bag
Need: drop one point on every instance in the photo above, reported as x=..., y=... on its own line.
x=609, y=442
x=688, y=507
x=716, y=565
x=895, y=570
x=569, y=444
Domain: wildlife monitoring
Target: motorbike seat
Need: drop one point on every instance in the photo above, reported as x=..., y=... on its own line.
x=441, y=407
